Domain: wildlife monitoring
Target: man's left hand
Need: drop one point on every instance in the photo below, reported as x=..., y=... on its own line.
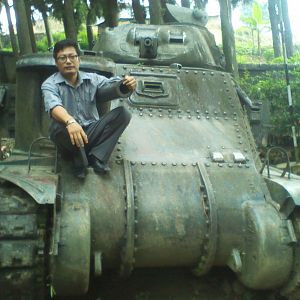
x=130, y=82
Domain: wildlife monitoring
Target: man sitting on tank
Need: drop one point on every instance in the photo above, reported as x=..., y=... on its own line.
x=70, y=100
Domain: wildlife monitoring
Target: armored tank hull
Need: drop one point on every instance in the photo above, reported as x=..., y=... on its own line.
x=185, y=194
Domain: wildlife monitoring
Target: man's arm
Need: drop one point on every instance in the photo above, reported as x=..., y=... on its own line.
x=76, y=133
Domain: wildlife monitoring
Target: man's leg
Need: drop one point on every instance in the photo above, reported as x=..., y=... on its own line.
x=63, y=142
x=104, y=134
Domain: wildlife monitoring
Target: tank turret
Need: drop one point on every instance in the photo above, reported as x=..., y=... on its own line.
x=186, y=191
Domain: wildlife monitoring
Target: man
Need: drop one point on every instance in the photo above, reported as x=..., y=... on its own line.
x=70, y=100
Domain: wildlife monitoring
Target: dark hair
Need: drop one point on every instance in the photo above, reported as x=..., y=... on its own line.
x=60, y=45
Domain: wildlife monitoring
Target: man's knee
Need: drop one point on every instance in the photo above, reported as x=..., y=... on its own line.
x=124, y=115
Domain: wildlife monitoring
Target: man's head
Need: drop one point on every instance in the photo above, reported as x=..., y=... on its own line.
x=66, y=54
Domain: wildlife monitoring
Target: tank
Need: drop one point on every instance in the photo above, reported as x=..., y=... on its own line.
x=187, y=211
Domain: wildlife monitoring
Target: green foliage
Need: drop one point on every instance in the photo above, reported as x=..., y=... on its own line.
x=272, y=87
x=42, y=45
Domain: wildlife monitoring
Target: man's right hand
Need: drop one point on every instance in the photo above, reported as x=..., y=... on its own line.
x=77, y=135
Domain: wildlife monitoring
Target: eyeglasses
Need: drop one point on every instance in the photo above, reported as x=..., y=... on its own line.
x=63, y=58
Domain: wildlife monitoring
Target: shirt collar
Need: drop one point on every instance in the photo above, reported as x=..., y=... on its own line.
x=81, y=76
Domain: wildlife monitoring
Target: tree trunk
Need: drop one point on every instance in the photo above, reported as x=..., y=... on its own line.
x=47, y=28
x=12, y=35
x=200, y=4
x=22, y=27
x=156, y=14
x=89, y=29
x=111, y=13
x=274, y=20
x=30, y=26
x=69, y=21
x=139, y=12
x=185, y=3
x=258, y=43
x=228, y=37
x=287, y=29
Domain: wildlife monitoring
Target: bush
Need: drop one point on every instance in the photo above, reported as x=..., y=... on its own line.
x=272, y=87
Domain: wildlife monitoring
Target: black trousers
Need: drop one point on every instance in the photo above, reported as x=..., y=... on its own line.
x=102, y=137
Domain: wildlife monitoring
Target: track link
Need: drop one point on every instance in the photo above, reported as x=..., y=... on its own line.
x=22, y=245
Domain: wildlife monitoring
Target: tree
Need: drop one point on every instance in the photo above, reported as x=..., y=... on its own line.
x=287, y=28
x=42, y=7
x=139, y=12
x=12, y=35
x=275, y=20
x=22, y=27
x=256, y=23
x=69, y=20
x=228, y=37
x=185, y=3
x=156, y=12
x=200, y=4
x=111, y=12
x=30, y=24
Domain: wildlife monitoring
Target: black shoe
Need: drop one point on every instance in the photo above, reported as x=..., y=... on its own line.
x=98, y=166
x=80, y=172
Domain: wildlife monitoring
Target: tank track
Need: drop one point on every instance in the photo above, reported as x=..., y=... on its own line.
x=22, y=245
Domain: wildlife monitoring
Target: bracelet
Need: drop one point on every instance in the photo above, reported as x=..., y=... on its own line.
x=69, y=122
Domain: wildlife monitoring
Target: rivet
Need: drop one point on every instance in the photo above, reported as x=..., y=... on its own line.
x=135, y=208
x=186, y=71
x=132, y=163
x=143, y=68
x=152, y=69
x=159, y=109
x=119, y=142
x=150, y=109
x=224, y=113
x=178, y=71
x=240, y=165
x=202, y=187
x=179, y=116
x=188, y=111
x=247, y=166
x=150, y=115
x=234, y=113
x=246, y=150
x=212, y=73
x=220, y=165
x=198, y=117
x=170, y=116
x=189, y=117
x=230, y=165
x=179, y=110
x=215, y=112
x=160, y=70
x=207, y=222
x=235, y=118
x=223, y=147
x=143, y=163
x=160, y=115
x=196, y=72
x=207, y=117
x=223, y=74
x=225, y=82
x=208, y=147
x=124, y=67
x=237, y=130
x=203, y=73
x=135, y=236
x=206, y=111
x=118, y=162
x=226, y=118
x=141, y=114
x=135, y=221
x=240, y=142
x=184, y=164
x=153, y=163
x=169, y=110
x=164, y=164
x=119, y=156
x=174, y=164
x=135, y=249
x=194, y=164
x=227, y=90
x=217, y=118
x=207, y=164
x=206, y=208
x=198, y=111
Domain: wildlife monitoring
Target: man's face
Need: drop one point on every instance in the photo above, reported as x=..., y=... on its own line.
x=67, y=61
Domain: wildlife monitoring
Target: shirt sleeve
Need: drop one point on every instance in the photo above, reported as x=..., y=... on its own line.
x=51, y=96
